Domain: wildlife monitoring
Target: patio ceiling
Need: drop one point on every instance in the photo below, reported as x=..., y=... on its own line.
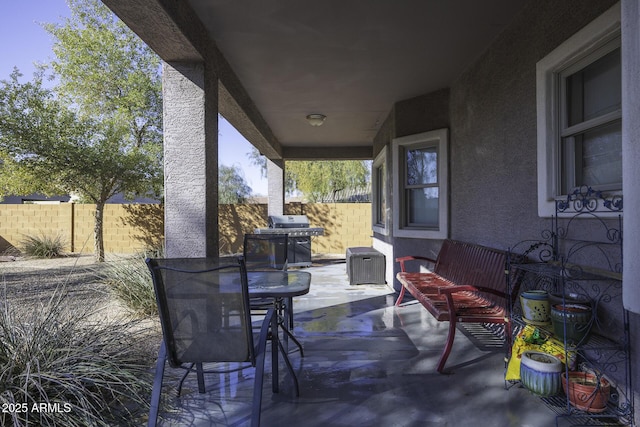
x=349, y=60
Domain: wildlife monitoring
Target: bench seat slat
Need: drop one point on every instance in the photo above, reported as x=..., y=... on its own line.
x=426, y=288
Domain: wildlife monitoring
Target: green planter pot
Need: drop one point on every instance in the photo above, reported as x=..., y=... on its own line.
x=576, y=318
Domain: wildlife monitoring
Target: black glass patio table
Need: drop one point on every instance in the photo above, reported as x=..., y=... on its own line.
x=279, y=285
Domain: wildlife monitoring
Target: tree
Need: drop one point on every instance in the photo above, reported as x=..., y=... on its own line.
x=316, y=179
x=96, y=134
x=232, y=187
x=108, y=71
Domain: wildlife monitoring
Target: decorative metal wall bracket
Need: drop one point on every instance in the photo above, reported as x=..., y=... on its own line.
x=586, y=199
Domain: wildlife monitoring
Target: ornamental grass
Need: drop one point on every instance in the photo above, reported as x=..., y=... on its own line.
x=64, y=365
x=43, y=246
x=130, y=281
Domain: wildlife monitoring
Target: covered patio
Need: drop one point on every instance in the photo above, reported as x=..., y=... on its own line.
x=368, y=363
x=471, y=87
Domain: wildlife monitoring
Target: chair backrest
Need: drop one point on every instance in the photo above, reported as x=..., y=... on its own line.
x=265, y=251
x=204, y=310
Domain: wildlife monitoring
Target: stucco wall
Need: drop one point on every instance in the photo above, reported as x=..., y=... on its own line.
x=491, y=113
x=133, y=228
x=493, y=126
x=415, y=115
x=493, y=139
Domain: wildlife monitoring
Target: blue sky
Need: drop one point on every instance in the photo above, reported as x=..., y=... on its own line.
x=24, y=42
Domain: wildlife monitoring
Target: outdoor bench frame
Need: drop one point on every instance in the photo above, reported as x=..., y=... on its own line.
x=467, y=283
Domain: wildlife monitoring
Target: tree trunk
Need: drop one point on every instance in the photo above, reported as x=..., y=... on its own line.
x=98, y=232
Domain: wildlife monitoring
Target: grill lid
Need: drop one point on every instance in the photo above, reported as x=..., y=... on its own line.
x=288, y=221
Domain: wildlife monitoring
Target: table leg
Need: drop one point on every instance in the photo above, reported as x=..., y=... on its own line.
x=275, y=346
x=285, y=321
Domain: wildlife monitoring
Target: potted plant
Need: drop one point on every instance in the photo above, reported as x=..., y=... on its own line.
x=535, y=307
x=587, y=391
x=572, y=321
x=540, y=372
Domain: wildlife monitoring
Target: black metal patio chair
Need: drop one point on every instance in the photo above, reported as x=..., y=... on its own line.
x=205, y=318
x=264, y=252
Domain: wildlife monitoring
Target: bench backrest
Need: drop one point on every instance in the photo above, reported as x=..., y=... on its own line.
x=469, y=264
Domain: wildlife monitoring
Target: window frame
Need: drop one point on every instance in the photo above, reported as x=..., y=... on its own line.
x=437, y=138
x=380, y=194
x=586, y=43
x=569, y=132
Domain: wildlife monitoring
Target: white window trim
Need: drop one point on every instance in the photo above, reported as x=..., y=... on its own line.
x=586, y=41
x=441, y=137
x=381, y=159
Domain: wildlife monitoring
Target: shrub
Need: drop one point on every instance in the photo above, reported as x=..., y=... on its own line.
x=59, y=366
x=130, y=280
x=43, y=246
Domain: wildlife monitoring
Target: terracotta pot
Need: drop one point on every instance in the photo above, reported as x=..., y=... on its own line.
x=576, y=318
x=585, y=393
x=540, y=373
x=535, y=307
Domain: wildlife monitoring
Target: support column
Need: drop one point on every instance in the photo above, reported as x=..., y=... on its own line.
x=190, y=114
x=275, y=182
x=630, y=11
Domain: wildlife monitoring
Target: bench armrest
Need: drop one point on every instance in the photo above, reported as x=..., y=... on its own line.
x=404, y=259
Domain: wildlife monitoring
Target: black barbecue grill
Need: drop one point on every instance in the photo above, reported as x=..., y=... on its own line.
x=299, y=233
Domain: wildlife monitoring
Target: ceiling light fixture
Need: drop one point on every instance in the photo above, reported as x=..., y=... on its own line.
x=316, y=119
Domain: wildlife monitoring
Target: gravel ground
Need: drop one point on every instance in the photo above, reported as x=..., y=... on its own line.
x=29, y=281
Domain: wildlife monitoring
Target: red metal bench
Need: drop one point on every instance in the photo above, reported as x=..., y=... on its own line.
x=467, y=283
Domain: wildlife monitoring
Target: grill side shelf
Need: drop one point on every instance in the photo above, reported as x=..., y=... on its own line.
x=294, y=232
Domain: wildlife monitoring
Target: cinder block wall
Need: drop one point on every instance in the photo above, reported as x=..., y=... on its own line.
x=133, y=228
x=127, y=228
x=346, y=225
x=236, y=220
x=20, y=221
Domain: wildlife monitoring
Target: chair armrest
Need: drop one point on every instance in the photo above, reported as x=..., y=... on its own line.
x=404, y=259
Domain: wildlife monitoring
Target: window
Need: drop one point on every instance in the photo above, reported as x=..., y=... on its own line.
x=590, y=129
x=579, y=113
x=379, y=189
x=420, y=185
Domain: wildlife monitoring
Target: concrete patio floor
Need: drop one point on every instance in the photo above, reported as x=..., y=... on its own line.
x=367, y=363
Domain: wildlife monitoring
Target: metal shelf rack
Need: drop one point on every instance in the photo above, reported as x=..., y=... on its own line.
x=580, y=257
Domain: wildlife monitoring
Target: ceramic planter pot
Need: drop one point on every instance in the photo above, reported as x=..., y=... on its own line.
x=540, y=373
x=576, y=318
x=555, y=298
x=585, y=393
x=535, y=307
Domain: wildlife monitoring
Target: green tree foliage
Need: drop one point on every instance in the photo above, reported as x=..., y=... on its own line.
x=321, y=178
x=316, y=179
x=106, y=69
x=96, y=134
x=232, y=187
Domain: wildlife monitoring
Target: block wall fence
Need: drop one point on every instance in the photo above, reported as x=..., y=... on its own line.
x=136, y=227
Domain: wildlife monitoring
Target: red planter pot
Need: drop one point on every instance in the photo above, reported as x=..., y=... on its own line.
x=585, y=393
